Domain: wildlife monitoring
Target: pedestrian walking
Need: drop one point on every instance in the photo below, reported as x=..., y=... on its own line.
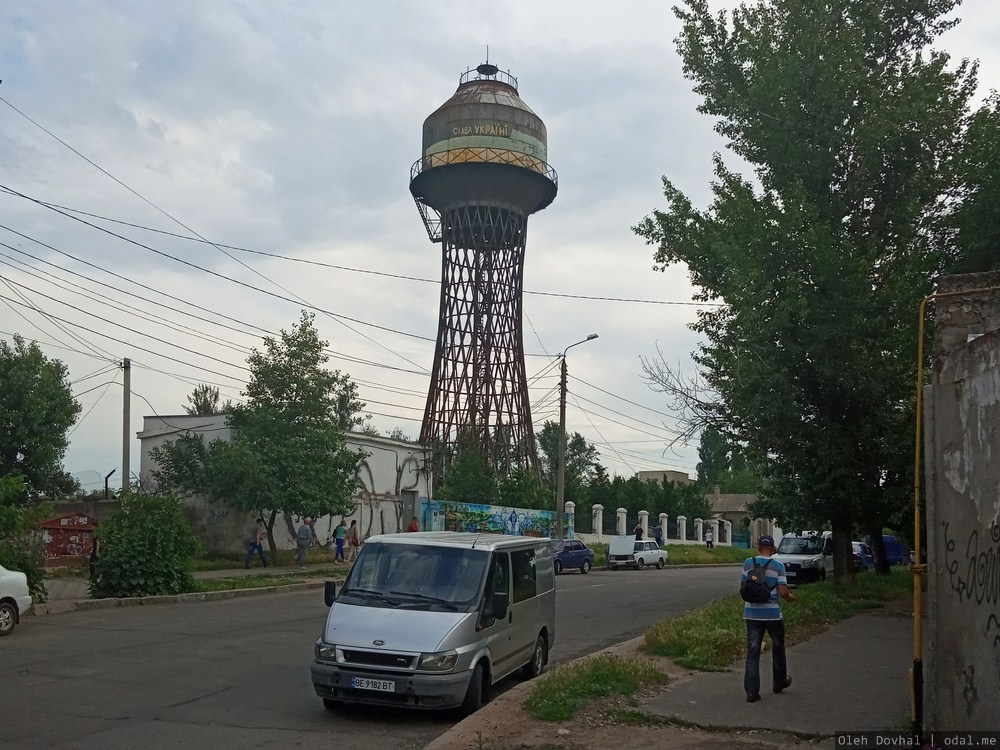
x=303, y=538
x=762, y=581
x=339, y=537
x=710, y=539
x=414, y=525
x=256, y=544
x=354, y=540
x=658, y=536
x=637, y=531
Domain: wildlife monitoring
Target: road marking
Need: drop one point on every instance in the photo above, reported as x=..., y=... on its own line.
x=596, y=585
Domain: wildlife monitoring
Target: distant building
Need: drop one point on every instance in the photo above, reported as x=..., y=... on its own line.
x=393, y=479
x=735, y=508
x=662, y=476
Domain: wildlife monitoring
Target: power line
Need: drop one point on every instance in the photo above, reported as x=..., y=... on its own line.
x=332, y=352
x=93, y=405
x=350, y=269
x=84, y=393
x=620, y=398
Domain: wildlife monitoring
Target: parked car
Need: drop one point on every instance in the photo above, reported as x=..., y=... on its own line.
x=808, y=556
x=14, y=599
x=572, y=553
x=896, y=552
x=629, y=552
x=863, y=558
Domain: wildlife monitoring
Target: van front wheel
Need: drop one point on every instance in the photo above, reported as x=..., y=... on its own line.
x=538, y=658
x=474, y=693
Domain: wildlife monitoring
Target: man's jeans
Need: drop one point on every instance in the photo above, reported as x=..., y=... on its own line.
x=301, y=550
x=254, y=546
x=755, y=635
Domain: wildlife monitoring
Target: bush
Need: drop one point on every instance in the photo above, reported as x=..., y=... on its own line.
x=21, y=545
x=146, y=549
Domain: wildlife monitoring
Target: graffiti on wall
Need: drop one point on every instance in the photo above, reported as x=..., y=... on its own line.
x=489, y=519
x=974, y=571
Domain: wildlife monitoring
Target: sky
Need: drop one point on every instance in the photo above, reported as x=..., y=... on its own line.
x=289, y=128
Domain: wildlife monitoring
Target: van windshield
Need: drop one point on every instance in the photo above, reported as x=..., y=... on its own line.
x=800, y=545
x=416, y=576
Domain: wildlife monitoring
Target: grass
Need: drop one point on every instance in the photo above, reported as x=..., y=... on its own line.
x=264, y=579
x=558, y=695
x=713, y=637
x=284, y=557
x=699, y=554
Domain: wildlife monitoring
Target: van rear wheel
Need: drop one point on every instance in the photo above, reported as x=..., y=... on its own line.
x=558, y=567
x=538, y=659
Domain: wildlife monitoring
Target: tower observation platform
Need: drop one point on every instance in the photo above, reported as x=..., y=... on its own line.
x=482, y=172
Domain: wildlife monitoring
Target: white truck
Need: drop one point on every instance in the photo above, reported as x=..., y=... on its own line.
x=629, y=552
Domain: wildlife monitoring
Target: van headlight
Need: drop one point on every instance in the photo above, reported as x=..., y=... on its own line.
x=809, y=563
x=325, y=651
x=442, y=662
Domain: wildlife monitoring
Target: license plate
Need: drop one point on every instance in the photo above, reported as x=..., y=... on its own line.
x=366, y=683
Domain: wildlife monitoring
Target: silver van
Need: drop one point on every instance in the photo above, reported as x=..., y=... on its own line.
x=435, y=619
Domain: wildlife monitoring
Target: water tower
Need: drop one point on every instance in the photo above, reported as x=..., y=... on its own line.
x=481, y=174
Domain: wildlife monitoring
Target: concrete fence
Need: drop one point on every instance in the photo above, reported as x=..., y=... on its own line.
x=722, y=530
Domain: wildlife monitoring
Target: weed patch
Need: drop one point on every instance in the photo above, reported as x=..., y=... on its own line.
x=713, y=637
x=558, y=695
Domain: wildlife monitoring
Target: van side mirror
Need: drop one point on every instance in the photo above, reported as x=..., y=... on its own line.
x=501, y=603
x=330, y=593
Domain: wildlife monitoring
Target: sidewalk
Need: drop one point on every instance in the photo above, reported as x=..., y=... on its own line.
x=852, y=677
x=64, y=593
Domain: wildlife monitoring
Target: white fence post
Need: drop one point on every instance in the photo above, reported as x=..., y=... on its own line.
x=598, y=516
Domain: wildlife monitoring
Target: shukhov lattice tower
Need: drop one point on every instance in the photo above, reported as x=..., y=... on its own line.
x=482, y=173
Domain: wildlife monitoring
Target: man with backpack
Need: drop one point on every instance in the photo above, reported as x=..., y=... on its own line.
x=762, y=581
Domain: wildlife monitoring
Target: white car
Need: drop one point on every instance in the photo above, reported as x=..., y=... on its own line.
x=629, y=552
x=14, y=599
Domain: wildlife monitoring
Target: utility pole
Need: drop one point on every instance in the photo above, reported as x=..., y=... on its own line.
x=126, y=423
x=561, y=458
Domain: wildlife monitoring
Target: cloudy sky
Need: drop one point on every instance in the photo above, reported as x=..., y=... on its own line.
x=290, y=128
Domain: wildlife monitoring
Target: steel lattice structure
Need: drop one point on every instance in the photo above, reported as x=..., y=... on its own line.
x=483, y=172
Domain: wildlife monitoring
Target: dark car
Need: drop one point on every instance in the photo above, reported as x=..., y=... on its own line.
x=863, y=558
x=572, y=553
x=895, y=552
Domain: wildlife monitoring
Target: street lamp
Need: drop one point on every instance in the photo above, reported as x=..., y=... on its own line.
x=561, y=460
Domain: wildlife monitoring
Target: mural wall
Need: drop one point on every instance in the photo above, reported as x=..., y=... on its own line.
x=437, y=515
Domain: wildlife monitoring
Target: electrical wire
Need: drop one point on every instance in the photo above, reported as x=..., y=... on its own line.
x=93, y=405
x=350, y=269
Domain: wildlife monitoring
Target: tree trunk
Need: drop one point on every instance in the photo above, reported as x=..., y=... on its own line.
x=882, y=566
x=270, y=537
x=843, y=552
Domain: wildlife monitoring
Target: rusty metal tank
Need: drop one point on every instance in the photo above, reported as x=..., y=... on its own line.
x=484, y=145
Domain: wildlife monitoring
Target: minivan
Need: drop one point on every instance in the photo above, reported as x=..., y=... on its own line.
x=435, y=619
x=808, y=556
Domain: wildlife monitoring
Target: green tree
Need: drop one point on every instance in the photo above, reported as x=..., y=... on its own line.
x=288, y=453
x=147, y=547
x=976, y=220
x=581, y=463
x=205, y=400
x=713, y=457
x=850, y=122
x=37, y=409
x=468, y=477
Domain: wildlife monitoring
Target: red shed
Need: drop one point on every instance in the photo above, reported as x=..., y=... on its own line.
x=68, y=536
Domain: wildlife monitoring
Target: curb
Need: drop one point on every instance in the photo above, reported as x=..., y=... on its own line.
x=87, y=605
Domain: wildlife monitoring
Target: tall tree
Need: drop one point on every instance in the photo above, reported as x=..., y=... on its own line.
x=288, y=453
x=581, y=462
x=37, y=409
x=849, y=121
x=713, y=457
x=205, y=400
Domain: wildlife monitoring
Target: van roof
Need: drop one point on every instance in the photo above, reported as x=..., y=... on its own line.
x=464, y=540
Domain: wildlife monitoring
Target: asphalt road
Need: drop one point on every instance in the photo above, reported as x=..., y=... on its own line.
x=235, y=674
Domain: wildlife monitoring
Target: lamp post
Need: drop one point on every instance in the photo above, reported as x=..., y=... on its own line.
x=561, y=460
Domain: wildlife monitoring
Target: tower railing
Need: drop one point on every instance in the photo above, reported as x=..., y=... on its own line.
x=488, y=72
x=484, y=155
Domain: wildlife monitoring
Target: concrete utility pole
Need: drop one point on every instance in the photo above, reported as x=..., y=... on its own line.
x=561, y=460
x=126, y=423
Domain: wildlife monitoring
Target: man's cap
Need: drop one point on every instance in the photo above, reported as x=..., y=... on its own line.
x=765, y=541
